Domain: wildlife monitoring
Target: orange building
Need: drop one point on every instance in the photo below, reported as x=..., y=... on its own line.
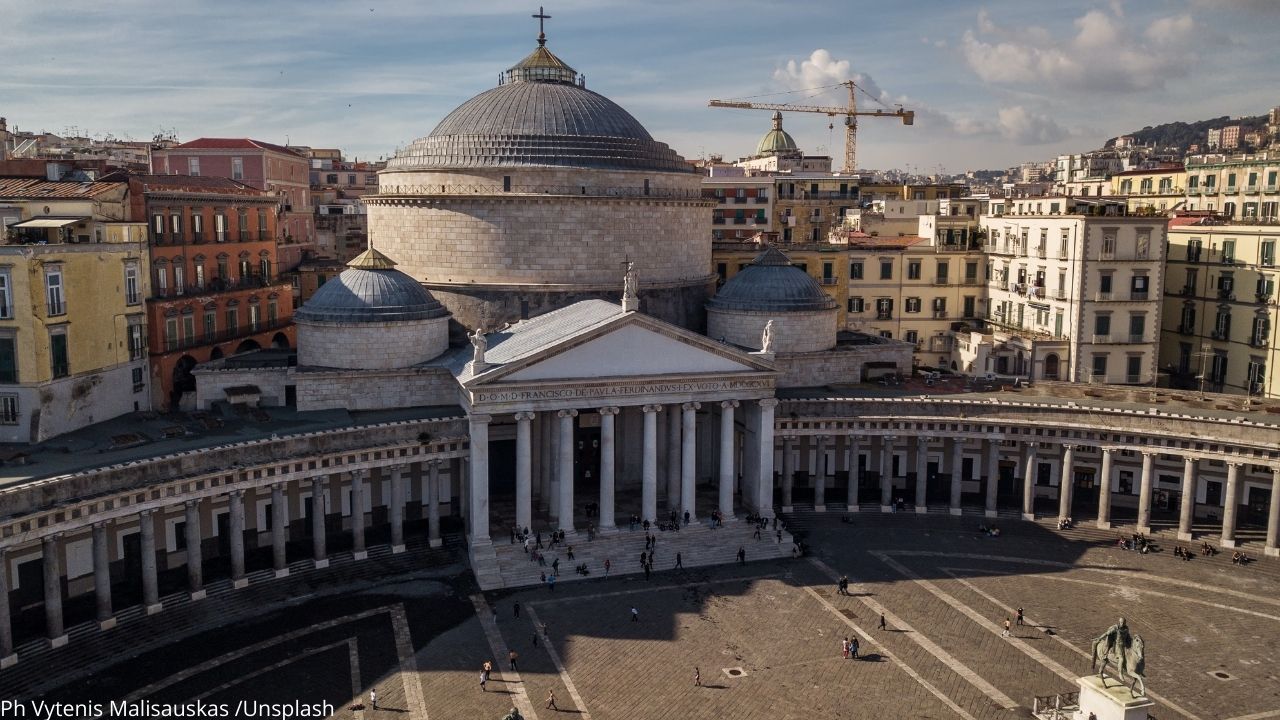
x=215, y=286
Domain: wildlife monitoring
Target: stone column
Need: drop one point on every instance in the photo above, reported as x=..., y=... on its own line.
x=608, y=459
x=1272, y=547
x=788, y=473
x=1187, y=507
x=886, y=474
x=396, y=511
x=358, y=551
x=1144, y=494
x=922, y=474
x=53, y=590
x=319, y=549
x=1029, y=468
x=147, y=545
x=195, y=556
x=763, y=500
x=688, y=458
x=1104, y=491
x=851, y=501
x=1066, y=482
x=1232, y=506
x=279, y=530
x=957, y=474
x=547, y=462
x=478, y=502
x=727, y=464
x=524, y=469
x=102, y=577
x=235, y=526
x=565, y=467
x=7, y=657
x=820, y=445
x=993, y=476
x=649, y=465
x=433, y=503
x=673, y=457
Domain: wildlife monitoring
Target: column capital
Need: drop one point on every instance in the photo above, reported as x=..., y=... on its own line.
x=191, y=503
x=1068, y=446
x=1148, y=453
x=691, y=406
x=651, y=408
x=767, y=402
x=51, y=537
x=319, y=479
x=359, y=473
x=100, y=524
x=400, y=468
x=278, y=486
x=1237, y=464
x=147, y=512
x=525, y=415
x=609, y=410
x=726, y=404
x=238, y=494
x=566, y=413
x=479, y=418
x=1030, y=445
x=432, y=462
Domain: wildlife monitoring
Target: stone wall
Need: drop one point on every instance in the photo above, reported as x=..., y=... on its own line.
x=363, y=390
x=840, y=366
x=371, y=346
x=50, y=409
x=212, y=382
x=793, y=332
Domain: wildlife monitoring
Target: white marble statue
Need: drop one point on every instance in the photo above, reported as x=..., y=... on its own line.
x=629, y=281
x=478, y=345
x=766, y=338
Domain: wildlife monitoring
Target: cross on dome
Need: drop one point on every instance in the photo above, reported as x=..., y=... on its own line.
x=542, y=16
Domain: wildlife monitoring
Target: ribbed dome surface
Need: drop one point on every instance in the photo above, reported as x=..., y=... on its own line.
x=360, y=295
x=537, y=118
x=771, y=283
x=777, y=142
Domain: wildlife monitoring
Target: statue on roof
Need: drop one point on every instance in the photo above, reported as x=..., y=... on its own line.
x=630, y=288
x=1125, y=652
x=479, y=343
x=766, y=338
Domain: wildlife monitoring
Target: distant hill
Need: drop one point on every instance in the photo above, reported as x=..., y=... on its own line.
x=1182, y=135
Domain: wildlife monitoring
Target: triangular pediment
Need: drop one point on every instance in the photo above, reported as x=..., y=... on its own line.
x=624, y=345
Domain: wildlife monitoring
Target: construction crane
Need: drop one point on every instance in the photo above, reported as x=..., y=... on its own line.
x=850, y=114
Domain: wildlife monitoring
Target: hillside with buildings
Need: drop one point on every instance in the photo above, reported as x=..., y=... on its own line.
x=1183, y=136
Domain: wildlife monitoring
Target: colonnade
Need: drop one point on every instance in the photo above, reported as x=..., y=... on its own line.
x=195, y=516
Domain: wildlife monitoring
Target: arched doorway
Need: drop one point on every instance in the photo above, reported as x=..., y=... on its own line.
x=247, y=346
x=183, y=380
x=1051, y=366
x=280, y=342
x=216, y=354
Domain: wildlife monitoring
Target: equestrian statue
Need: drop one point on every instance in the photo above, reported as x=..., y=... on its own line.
x=1123, y=651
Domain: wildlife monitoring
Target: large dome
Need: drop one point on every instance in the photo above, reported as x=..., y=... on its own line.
x=772, y=284
x=370, y=290
x=541, y=115
x=777, y=141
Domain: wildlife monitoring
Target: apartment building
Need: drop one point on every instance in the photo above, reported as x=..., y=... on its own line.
x=1244, y=188
x=1220, y=308
x=1158, y=190
x=1074, y=288
x=744, y=206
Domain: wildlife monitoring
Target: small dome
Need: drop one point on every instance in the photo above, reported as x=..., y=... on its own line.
x=777, y=141
x=771, y=283
x=370, y=290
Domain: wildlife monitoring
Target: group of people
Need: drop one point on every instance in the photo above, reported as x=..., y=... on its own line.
x=992, y=531
x=842, y=585
x=1182, y=552
x=1066, y=523
x=1138, y=542
x=849, y=648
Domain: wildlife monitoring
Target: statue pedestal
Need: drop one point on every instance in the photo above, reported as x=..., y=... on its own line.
x=1110, y=701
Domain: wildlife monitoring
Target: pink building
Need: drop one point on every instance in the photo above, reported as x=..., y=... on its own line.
x=262, y=165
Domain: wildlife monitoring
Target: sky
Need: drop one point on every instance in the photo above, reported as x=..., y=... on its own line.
x=993, y=83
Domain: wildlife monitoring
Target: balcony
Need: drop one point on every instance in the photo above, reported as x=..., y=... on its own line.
x=1251, y=189
x=884, y=315
x=828, y=281
x=717, y=221
x=1262, y=298
x=1193, y=257
x=970, y=281
x=740, y=200
x=1226, y=294
x=1231, y=190
x=1101, y=339
x=740, y=221
x=1060, y=295
x=941, y=280
x=212, y=338
x=939, y=314
x=1196, y=190
x=1272, y=188
x=1036, y=292
x=1220, y=334
x=1137, y=338
x=1103, y=297
x=1186, y=330
x=1258, y=341
x=1138, y=295
x=1133, y=379
x=761, y=200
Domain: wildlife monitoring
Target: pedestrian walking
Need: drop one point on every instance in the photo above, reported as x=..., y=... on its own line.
x=635, y=615
x=757, y=533
x=1006, y=628
x=779, y=537
x=373, y=698
x=484, y=680
x=555, y=566
x=646, y=571
x=551, y=583
x=883, y=624
x=570, y=551
x=607, y=565
x=551, y=700
x=516, y=608
x=1020, y=617
x=697, y=677
x=844, y=648
x=679, y=561
x=511, y=658
x=535, y=638
x=853, y=648
x=742, y=555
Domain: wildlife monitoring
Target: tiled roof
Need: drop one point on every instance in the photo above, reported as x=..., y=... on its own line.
x=32, y=188
x=195, y=183
x=885, y=242
x=234, y=143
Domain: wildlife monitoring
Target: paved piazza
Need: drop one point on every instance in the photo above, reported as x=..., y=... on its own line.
x=766, y=635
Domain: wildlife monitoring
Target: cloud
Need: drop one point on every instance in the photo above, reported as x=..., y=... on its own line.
x=1105, y=52
x=1025, y=127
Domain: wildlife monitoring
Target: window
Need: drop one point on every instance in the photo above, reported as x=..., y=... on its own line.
x=1102, y=324
x=54, y=301
x=264, y=269
x=1222, y=325
x=223, y=270
x=1108, y=244
x=139, y=383
x=263, y=233
x=237, y=168
x=179, y=278
x=943, y=272
x=351, y=179
x=157, y=226
x=1193, y=249
x=220, y=227
x=1228, y=251
x=197, y=226
x=913, y=270
x=199, y=274
x=1261, y=328
x=242, y=224
x=970, y=303
x=1266, y=287
x=886, y=269
x=1267, y=254
x=131, y=296
x=828, y=273
x=245, y=272
x=6, y=296
x=1133, y=369
x=1144, y=244
x=58, y=357
x=175, y=224
x=331, y=179
x=233, y=321
x=1137, y=327
x=1104, y=283
x=273, y=312
x=911, y=336
x=939, y=307
x=210, y=325
x=193, y=166
x=9, y=409
x=1188, y=319
x=855, y=304
x=162, y=281
x=253, y=318
x=970, y=273
x=171, y=338
x=912, y=305
x=884, y=309
x=137, y=342
x=855, y=270
x=1100, y=368
x=8, y=359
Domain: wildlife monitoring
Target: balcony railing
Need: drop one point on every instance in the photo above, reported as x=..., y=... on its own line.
x=740, y=200
x=939, y=314
x=1137, y=338
x=970, y=281
x=1272, y=188
x=212, y=338
x=884, y=315
x=1133, y=379
x=1186, y=330
x=1231, y=190
x=828, y=281
x=1103, y=297
x=1101, y=339
x=941, y=281
x=1138, y=295
x=1250, y=189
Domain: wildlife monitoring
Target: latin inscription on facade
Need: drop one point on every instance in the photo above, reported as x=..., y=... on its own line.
x=597, y=391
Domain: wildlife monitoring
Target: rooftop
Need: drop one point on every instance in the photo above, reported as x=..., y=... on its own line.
x=34, y=188
x=234, y=144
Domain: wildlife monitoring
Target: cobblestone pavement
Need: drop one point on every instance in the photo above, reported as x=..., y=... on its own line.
x=766, y=636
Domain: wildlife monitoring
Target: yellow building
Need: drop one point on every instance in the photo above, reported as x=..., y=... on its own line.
x=1158, y=190
x=1220, y=307
x=73, y=279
